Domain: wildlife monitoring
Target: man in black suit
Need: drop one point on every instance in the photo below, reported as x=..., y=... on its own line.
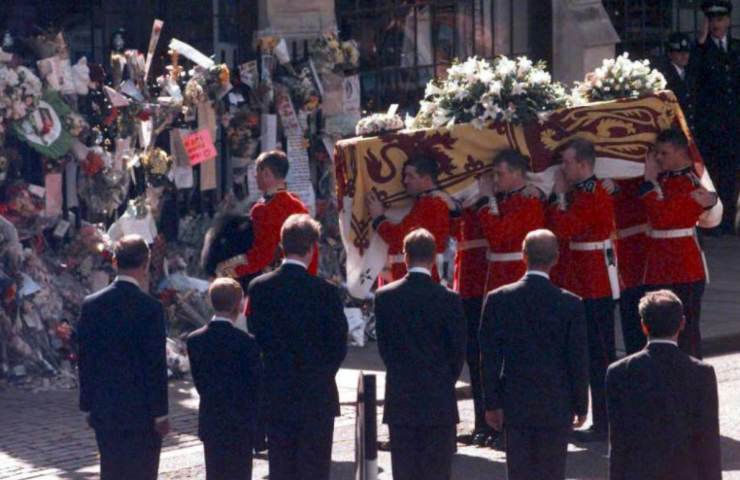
x=299, y=323
x=226, y=368
x=663, y=412
x=535, y=365
x=123, y=368
x=421, y=337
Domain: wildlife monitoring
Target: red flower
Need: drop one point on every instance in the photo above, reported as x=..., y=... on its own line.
x=144, y=116
x=93, y=164
x=108, y=121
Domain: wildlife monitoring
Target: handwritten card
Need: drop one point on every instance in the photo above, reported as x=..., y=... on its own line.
x=199, y=147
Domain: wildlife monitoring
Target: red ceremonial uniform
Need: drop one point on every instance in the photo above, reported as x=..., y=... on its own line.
x=505, y=229
x=430, y=211
x=470, y=258
x=631, y=221
x=587, y=225
x=673, y=251
x=268, y=216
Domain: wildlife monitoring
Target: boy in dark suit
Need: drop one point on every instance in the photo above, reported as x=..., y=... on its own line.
x=662, y=403
x=421, y=338
x=123, y=368
x=226, y=369
x=299, y=323
x=535, y=365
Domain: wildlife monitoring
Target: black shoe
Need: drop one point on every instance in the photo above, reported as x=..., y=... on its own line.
x=496, y=441
x=384, y=445
x=589, y=435
x=480, y=438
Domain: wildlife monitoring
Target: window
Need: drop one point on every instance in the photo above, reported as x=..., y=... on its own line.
x=644, y=25
x=403, y=44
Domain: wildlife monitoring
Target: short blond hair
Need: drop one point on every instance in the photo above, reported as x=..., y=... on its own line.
x=299, y=234
x=225, y=294
x=541, y=248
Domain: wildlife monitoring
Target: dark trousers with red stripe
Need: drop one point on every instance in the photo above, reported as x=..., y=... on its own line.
x=473, y=307
x=634, y=338
x=601, y=352
x=689, y=340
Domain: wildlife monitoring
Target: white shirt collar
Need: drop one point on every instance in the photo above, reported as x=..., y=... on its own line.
x=663, y=341
x=721, y=42
x=680, y=70
x=423, y=270
x=126, y=278
x=539, y=273
x=216, y=318
x=290, y=261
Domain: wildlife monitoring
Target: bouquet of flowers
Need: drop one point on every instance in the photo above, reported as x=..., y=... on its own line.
x=20, y=92
x=207, y=84
x=329, y=54
x=619, y=78
x=156, y=165
x=378, y=123
x=478, y=91
x=243, y=133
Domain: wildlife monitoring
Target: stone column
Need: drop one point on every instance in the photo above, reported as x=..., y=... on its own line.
x=583, y=36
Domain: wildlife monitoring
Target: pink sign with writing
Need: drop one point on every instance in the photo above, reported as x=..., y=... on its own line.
x=199, y=147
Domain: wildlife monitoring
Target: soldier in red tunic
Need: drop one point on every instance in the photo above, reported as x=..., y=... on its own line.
x=631, y=250
x=581, y=212
x=507, y=216
x=674, y=200
x=469, y=282
x=268, y=216
x=431, y=210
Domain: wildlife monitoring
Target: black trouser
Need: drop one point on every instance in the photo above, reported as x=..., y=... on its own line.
x=689, y=340
x=719, y=150
x=601, y=352
x=473, y=308
x=229, y=457
x=634, y=338
x=126, y=454
x=300, y=450
x=536, y=453
x=422, y=452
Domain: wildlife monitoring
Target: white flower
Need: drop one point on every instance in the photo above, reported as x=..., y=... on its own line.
x=495, y=88
x=518, y=89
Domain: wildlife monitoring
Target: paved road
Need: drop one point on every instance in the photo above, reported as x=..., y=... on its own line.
x=43, y=434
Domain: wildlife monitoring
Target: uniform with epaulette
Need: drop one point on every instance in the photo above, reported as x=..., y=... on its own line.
x=469, y=282
x=584, y=218
x=268, y=216
x=631, y=221
x=431, y=211
x=717, y=63
x=506, y=219
x=674, y=258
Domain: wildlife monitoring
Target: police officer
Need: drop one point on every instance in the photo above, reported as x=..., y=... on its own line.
x=678, y=72
x=718, y=83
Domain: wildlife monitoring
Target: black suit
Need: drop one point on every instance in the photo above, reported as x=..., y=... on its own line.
x=226, y=368
x=123, y=377
x=663, y=418
x=535, y=368
x=718, y=117
x=682, y=87
x=299, y=323
x=421, y=337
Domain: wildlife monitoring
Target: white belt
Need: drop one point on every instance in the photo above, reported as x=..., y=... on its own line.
x=675, y=233
x=471, y=244
x=399, y=258
x=504, y=257
x=632, y=231
x=590, y=246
